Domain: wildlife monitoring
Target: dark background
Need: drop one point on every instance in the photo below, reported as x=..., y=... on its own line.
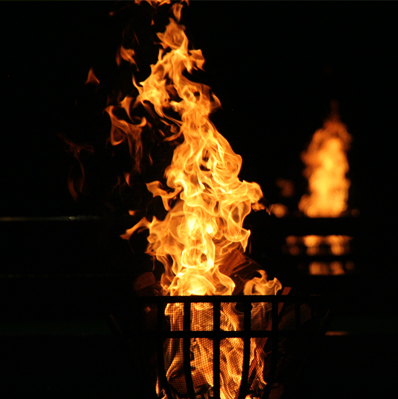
x=274, y=66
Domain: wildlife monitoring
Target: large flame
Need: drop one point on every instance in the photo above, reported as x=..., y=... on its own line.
x=205, y=200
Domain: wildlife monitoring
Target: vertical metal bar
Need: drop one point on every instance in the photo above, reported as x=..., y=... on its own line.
x=159, y=347
x=216, y=349
x=187, y=349
x=274, y=351
x=274, y=358
x=246, y=350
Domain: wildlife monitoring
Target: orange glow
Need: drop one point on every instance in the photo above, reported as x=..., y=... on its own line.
x=125, y=54
x=206, y=203
x=286, y=186
x=333, y=244
x=326, y=168
x=154, y=3
x=326, y=268
x=91, y=78
x=318, y=245
x=76, y=184
x=279, y=210
x=322, y=245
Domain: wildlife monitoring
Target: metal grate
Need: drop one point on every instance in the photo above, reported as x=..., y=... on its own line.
x=292, y=324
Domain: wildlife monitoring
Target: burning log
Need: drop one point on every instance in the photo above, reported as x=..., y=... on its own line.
x=241, y=269
x=146, y=285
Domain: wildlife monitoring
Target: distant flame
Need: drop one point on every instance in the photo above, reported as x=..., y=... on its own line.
x=319, y=245
x=326, y=170
x=205, y=200
x=286, y=186
x=279, y=210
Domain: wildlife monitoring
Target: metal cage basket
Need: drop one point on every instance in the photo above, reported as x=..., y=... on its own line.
x=164, y=342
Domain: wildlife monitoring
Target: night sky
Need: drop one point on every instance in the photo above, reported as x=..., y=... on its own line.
x=275, y=66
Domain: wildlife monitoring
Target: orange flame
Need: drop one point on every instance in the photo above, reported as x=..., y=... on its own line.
x=126, y=54
x=206, y=204
x=76, y=184
x=326, y=170
x=154, y=3
x=91, y=78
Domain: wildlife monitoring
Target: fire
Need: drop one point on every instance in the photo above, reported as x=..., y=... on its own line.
x=279, y=210
x=91, y=78
x=206, y=203
x=76, y=185
x=205, y=200
x=326, y=169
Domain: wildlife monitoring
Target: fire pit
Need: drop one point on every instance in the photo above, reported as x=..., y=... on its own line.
x=272, y=343
x=220, y=331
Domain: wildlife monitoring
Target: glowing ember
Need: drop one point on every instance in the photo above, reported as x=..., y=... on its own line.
x=202, y=235
x=318, y=245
